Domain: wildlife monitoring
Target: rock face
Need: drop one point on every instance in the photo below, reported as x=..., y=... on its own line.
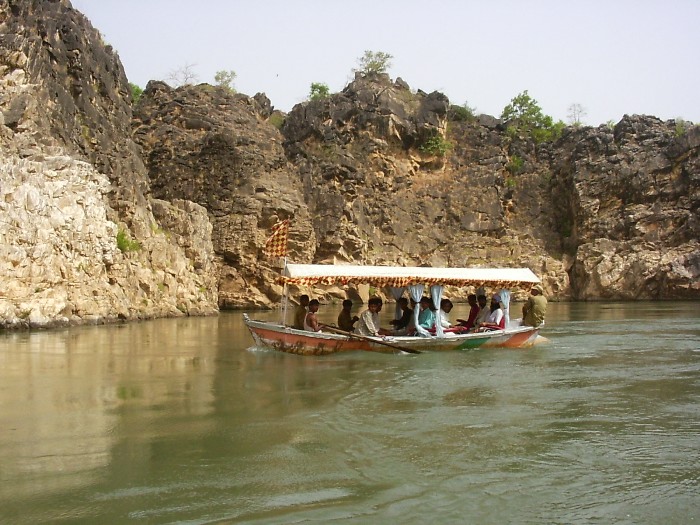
x=211, y=146
x=360, y=174
x=379, y=174
x=73, y=185
x=630, y=200
x=109, y=211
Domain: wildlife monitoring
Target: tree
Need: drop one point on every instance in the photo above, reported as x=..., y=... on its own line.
x=576, y=114
x=374, y=62
x=225, y=79
x=318, y=91
x=523, y=111
x=524, y=116
x=136, y=92
x=183, y=76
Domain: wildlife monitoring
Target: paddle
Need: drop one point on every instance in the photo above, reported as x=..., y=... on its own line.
x=371, y=339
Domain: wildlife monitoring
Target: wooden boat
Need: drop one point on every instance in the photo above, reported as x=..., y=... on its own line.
x=283, y=338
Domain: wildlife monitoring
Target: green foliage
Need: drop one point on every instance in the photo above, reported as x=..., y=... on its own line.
x=681, y=127
x=515, y=165
x=463, y=113
x=610, y=124
x=524, y=117
x=523, y=110
x=225, y=79
x=277, y=119
x=374, y=62
x=436, y=145
x=136, y=92
x=125, y=244
x=318, y=91
x=550, y=132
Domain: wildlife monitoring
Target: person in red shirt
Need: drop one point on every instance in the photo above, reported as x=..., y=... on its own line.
x=473, y=312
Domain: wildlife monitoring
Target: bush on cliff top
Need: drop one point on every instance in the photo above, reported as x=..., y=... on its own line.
x=524, y=116
x=318, y=91
x=374, y=62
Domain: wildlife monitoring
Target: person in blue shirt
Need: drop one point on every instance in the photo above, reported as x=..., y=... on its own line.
x=426, y=317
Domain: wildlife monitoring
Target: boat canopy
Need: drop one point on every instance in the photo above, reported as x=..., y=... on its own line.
x=400, y=276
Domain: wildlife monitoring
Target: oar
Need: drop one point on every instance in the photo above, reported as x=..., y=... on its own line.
x=370, y=339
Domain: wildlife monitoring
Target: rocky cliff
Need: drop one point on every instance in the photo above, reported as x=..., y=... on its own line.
x=116, y=211
x=381, y=174
x=628, y=202
x=216, y=148
x=82, y=239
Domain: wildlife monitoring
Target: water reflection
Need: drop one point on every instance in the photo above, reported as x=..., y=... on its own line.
x=182, y=421
x=68, y=395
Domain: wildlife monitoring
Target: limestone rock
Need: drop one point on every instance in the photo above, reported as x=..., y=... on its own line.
x=73, y=184
x=628, y=201
x=112, y=212
x=210, y=146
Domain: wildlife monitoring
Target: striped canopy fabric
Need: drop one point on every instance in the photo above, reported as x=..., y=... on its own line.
x=399, y=276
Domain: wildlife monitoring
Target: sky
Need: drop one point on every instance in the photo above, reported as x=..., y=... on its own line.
x=610, y=57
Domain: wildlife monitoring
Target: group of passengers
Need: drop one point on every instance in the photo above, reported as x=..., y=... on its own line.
x=482, y=316
x=305, y=317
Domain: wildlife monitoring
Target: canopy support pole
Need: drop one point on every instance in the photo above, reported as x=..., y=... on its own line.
x=285, y=300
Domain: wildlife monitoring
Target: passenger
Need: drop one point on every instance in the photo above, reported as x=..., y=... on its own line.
x=484, y=311
x=401, y=325
x=426, y=318
x=311, y=323
x=445, y=309
x=368, y=324
x=496, y=319
x=346, y=321
x=469, y=323
x=300, y=312
x=535, y=307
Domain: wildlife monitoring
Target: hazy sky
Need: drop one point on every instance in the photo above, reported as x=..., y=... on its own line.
x=610, y=56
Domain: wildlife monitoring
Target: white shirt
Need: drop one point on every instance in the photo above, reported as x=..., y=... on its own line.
x=444, y=321
x=495, y=316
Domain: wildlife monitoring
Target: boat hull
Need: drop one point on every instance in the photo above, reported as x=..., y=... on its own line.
x=301, y=342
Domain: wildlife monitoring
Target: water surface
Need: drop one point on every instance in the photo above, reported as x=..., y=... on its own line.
x=181, y=421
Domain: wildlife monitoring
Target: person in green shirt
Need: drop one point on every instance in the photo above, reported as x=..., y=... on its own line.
x=535, y=307
x=426, y=318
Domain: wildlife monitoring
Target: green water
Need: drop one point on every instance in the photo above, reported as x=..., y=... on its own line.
x=180, y=421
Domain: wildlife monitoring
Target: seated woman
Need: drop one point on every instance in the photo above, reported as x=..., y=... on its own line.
x=426, y=318
x=496, y=319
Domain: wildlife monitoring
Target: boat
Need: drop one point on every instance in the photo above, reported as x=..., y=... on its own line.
x=281, y=337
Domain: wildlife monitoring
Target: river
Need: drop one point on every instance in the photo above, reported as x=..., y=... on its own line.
x=181, y=421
